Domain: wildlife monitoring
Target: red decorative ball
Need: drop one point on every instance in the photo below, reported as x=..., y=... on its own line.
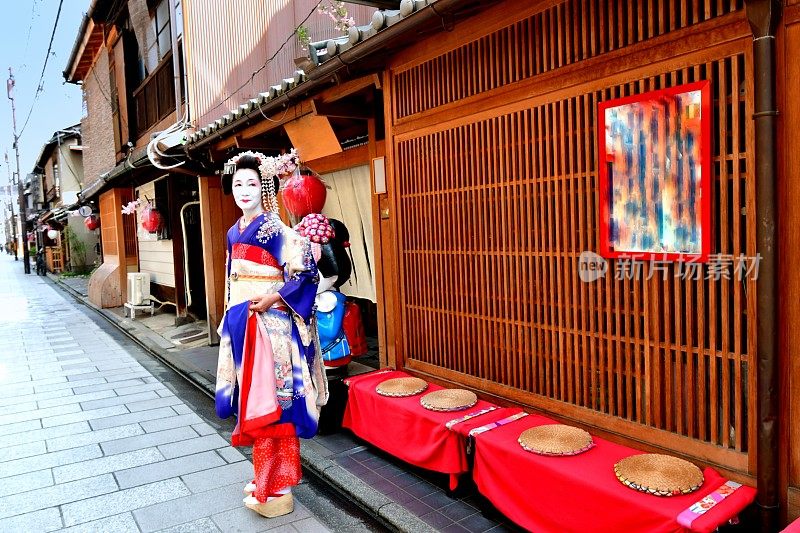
x=92, y=222
x=303, y=195
x=151, y=219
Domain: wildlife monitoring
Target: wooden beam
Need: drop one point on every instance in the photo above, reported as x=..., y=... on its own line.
x=350, y=87
x=340, y=110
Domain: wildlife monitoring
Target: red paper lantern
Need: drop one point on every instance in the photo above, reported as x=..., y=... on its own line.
x=151, y=219
x=303, y=195
x=91, y=222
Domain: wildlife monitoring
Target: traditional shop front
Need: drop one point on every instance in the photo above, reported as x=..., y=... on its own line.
x=492, y=170
x=491, y=143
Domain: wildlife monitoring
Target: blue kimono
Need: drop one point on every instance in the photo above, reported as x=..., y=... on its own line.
x=269, y=370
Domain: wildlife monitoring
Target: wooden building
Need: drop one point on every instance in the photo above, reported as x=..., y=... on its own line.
x=492, y=134
x=129, y=59
x=485, y=114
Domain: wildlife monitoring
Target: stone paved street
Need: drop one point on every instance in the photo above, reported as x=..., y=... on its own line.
x=91, y=440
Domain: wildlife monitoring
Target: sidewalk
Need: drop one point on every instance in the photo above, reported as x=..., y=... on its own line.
x=91, y=440
x=401, y=496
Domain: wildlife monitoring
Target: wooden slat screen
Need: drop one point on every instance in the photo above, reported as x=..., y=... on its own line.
x=493, y=216
x=565, y=33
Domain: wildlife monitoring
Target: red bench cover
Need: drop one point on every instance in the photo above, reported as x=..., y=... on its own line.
x=581, y=493
x=405, y=429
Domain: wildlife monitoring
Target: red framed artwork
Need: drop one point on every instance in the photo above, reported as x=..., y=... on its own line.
x=655, y=174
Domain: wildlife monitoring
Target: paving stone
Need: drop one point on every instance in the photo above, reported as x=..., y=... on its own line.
x=231, y=454
x=106, y=413
x=77, y=398
x=93, y=437
x=115, y=386
x=57, y=495
x=121, y=523
x=17, y=428
x=104, y=465
x=203, y=429
x=39, y=413
x=241, y=518
x=118, y=400
x=20, y=408
x=35, y=433
x=130, y=418
x=201, y=525
x=200, y=444
x=152, y=404
x=39, y=521
x=110, y=375
x=146, y=440
x=236, y=473
x=68, y=384
x=64, y=372
x=49, y=460
x=186, y=509
x=19, y=389
x=122, y=501
x=21, y=451
x=26, y=482
x=171, y=422
x=15, y=399
x=182, y=409
x=168, y=469
x=165, y=393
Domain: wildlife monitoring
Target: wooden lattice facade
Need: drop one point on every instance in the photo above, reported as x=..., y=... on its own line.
x=495, y=188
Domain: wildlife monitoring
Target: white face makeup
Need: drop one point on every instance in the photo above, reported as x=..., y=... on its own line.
x=246, y=187
x=325, y=283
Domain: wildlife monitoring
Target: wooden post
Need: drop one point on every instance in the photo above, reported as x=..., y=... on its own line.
x=217, y=213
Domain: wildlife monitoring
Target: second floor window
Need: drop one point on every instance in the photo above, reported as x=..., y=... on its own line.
x=160, y=22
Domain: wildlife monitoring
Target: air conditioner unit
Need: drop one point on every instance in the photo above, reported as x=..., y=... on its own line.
x=138, y=288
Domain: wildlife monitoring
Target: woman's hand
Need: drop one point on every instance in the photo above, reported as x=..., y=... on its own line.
x=262, y=303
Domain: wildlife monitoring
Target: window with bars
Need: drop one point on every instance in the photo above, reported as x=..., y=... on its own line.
x=497, y=209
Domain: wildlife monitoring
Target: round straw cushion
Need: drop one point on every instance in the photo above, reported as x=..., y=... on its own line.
x=660, y=475
x=399, y=387
x=555, y=439
x=449, y=400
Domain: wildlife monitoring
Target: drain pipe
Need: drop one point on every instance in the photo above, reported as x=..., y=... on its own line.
x=763, y=16
x=186, y=287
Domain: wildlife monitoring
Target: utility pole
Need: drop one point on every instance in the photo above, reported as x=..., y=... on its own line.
x=11, y=206
x=23, y=215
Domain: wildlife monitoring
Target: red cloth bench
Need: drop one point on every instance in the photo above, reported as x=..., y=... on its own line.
x=408, y=431
x=581, y=492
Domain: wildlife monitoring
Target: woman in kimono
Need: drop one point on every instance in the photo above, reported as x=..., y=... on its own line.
x=269, y=372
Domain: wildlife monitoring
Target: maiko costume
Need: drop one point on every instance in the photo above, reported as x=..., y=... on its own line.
x=269, y=372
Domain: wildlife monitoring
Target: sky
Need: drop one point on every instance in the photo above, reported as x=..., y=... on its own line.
x=25, y=29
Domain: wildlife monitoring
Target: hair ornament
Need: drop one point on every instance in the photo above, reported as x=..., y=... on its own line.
x=317, y=228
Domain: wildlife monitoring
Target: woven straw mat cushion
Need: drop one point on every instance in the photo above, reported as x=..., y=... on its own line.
x=660, y=475
x=448, y=400
x=555, y=439
x=399, y=387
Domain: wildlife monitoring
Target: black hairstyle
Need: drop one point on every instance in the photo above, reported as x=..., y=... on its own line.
x=245, y=161
x=335, y=261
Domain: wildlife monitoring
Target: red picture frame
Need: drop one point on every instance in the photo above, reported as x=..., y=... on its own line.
x=653, y=204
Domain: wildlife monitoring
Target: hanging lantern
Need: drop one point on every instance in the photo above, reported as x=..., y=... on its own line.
x=92, y=222
x=151, y=219
x=303, y=195
x=52, y=234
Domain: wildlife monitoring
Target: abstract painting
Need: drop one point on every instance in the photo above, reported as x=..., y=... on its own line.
x=655, y=170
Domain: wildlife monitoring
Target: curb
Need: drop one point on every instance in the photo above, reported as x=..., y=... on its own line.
x=389, y=513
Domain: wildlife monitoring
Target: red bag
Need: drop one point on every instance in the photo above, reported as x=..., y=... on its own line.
x=354, y=329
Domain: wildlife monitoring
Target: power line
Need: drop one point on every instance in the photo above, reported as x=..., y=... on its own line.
x=40, y=87
x=267, y=62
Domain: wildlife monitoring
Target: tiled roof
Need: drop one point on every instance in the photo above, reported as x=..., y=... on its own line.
x=318, y=53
